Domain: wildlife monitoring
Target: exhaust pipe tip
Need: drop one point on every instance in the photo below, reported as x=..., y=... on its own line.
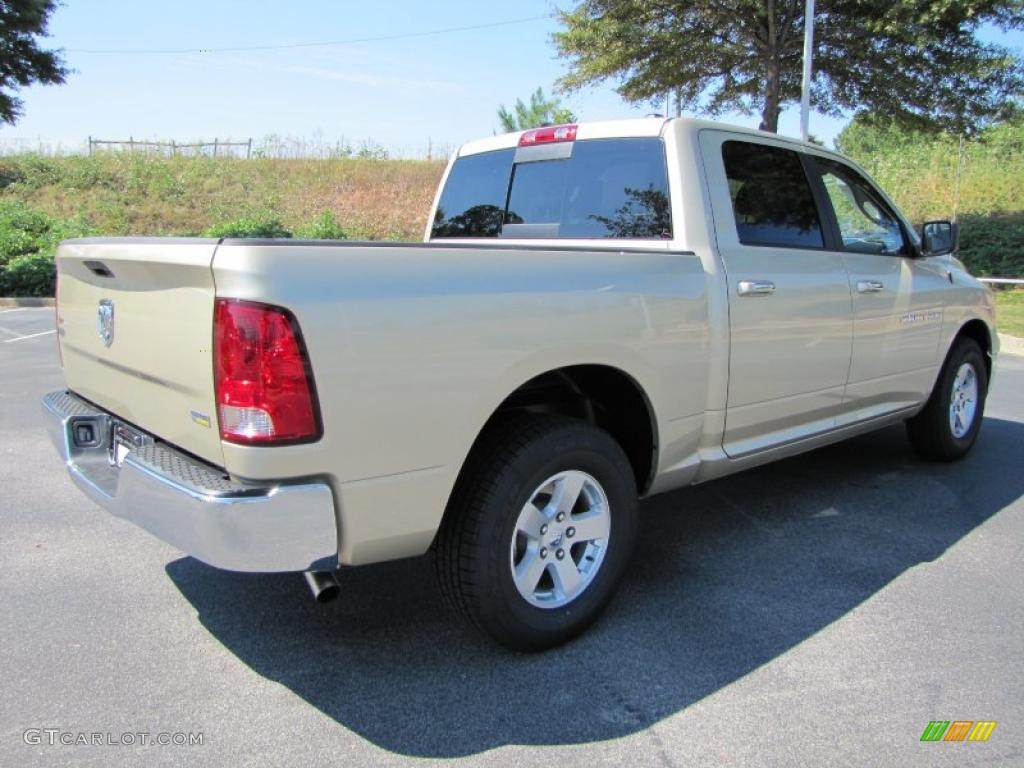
x=323, y=585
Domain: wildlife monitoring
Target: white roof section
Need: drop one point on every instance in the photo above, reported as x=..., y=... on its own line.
x=607, y=129
x=696, y=124
x=636, y=127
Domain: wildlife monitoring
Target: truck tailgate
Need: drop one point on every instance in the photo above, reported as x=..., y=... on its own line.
x=135, y=327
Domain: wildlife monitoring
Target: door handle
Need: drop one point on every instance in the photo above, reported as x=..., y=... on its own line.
x=869, y=286
x=755, y=288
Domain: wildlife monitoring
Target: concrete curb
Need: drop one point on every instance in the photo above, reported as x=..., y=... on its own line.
x=25, y=301
x=1010, y=345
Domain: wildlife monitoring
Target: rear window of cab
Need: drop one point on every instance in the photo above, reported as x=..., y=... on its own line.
x=602, y=188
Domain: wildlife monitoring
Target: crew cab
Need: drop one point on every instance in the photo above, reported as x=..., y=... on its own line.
x=599, y=312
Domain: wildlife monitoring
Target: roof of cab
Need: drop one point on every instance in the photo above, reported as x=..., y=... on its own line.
x=636, y=127
x=607, y=129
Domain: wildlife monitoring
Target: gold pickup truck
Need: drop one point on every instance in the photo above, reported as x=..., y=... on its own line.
x=600, y=312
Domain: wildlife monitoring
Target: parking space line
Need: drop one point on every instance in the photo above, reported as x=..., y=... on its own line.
x=23, y=309
x=9, y=332
x=30, y=336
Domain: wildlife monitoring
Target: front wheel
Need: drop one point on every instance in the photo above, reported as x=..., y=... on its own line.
x=948, y=425
x=539, y=530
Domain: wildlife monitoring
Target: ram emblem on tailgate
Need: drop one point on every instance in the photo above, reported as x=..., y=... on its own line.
x=105, y=321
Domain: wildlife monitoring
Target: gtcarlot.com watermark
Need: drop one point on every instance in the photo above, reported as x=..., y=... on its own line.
x=58, y=737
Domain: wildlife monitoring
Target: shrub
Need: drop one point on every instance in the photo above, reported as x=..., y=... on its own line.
x=991, y=245
x=23, y=230
x=28, y=240
x=30, y=275
x=323, y=227
x=248, y=227
x=36, y=171
x=10, y=174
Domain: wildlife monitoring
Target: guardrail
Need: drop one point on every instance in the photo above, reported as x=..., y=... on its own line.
x=1002, y=280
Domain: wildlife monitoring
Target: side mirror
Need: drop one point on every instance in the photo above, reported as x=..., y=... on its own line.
x=940, y=237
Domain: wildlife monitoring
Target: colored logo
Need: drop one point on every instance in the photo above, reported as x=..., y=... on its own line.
x=958, y=730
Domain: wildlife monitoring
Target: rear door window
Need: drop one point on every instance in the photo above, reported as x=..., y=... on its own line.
x=771, y=197
x=606, y=188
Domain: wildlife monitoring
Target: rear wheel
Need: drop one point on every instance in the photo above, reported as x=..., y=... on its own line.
x=539, y=530
x=948, y=426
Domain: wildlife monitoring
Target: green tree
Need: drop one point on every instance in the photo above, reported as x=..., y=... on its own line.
x=540, y=111
x=918, y=61
x=869, y=135
x=22, y=61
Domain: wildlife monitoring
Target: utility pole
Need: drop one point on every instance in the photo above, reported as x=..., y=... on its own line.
x=805, y=89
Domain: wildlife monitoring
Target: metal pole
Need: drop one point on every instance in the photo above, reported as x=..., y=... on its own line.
x=805, y=88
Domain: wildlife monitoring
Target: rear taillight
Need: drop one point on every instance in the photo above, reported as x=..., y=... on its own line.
x=265, y=391
x=548, y=135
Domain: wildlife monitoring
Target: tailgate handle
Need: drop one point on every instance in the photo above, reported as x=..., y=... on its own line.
x=98, y=268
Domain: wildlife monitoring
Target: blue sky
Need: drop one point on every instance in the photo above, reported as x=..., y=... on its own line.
x=403, y=94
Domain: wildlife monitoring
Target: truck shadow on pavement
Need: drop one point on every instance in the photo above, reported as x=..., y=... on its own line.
x=726, y=577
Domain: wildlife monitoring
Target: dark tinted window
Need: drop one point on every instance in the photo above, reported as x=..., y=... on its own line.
x=473, y=201
x=606, y=188
x=771, y=198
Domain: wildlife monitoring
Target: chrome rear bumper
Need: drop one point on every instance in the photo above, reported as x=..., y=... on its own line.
x=192, y=505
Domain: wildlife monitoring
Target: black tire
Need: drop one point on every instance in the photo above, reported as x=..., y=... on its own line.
x=475, y=549
x=930, y=431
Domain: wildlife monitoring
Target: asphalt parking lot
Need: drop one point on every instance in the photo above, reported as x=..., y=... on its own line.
x=819, y=611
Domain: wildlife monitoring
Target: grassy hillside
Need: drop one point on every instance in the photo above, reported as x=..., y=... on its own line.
x=124, y=193
x=1010, y=312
